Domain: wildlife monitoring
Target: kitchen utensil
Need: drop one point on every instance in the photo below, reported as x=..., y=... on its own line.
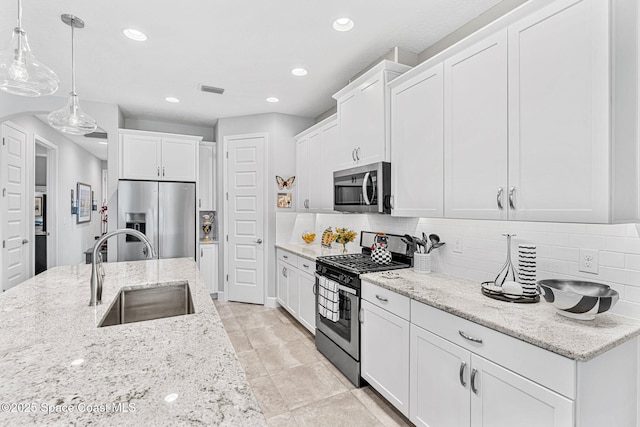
x=435, y=246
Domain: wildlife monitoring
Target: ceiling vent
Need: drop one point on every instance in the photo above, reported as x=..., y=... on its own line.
x=212, y=89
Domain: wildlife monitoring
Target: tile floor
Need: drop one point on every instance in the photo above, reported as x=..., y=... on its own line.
x=294, y=383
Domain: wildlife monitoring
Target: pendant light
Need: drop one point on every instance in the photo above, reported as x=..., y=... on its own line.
x=70, y=118
x=20, y=72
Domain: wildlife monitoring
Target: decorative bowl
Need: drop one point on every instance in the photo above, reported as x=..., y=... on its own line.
x=308, y=237
x=578, y=299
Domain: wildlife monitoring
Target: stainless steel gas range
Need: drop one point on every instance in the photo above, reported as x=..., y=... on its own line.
x=338, y=319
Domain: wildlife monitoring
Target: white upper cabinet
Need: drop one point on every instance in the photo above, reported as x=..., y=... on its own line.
x=207, y=176
x=158, y=157
x=315, y=163
x=559, y=113
x=475, y=130
x=364, y=116
x=417, y=144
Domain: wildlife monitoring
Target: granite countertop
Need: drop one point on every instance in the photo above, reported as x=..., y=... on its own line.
x=128, y=370
x=537, y=324
x=314, y=250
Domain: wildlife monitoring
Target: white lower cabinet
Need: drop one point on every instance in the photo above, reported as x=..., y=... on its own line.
x=295, y=287
x=450, y=386
x=209, y=266
x=384, y=346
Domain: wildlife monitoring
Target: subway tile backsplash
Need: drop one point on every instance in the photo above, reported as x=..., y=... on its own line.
x=484, y=247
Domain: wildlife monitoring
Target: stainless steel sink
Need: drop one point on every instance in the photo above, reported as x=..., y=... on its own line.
x=156, y=302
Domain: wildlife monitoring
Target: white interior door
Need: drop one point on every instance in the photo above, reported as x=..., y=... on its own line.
x=245, y=213
x=15, y=250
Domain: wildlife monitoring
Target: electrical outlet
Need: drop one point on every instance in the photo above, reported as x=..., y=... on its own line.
x=457, y=245
x=589, y=261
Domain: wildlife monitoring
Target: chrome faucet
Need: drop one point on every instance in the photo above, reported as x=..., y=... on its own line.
x=97, y=273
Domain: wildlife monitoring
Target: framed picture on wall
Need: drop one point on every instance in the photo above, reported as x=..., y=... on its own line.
x=38, y=207
x=284, y=200
x=84, y=203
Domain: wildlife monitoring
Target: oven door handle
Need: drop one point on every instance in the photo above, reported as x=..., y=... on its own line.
x=340, y=287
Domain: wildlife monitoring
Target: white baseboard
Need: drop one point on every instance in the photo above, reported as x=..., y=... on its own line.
x=221, y=296
x=271, y=302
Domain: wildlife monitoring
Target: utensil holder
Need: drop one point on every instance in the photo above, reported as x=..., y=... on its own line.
x=421, y=263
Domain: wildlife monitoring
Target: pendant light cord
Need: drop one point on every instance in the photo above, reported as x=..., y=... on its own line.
x=73, y=59
x=20, y=14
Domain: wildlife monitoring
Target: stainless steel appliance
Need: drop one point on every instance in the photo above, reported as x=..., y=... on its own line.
x=363, y=189
x=164, y=212
x=339, y=340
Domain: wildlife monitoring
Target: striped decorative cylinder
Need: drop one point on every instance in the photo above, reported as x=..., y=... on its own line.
x=527, y=269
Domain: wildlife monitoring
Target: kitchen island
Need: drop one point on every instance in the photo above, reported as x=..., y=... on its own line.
x=58, y=368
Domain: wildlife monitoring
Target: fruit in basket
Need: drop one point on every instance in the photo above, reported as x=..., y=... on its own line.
x=308, y=237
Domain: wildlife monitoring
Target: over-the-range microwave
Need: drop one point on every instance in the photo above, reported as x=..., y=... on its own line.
x=363, y=189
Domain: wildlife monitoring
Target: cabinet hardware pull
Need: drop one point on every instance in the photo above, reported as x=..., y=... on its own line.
x=353, y=154
x=512, y=202
x=305, y=265
x=285, y=257
x=470, y=338
x=463, y=365
x=163, y=171
x=358, y=153
x=391, y=199
x=284, y=271
x=383, y=299
x=499, y=198
x=158, y=170
x=360, y=315
x=201, y=253
x=474, y=372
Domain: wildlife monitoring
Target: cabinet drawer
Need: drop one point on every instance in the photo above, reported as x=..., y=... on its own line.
x=389, y=300
x=287, y=257
x=544, y=367
x=306, y=265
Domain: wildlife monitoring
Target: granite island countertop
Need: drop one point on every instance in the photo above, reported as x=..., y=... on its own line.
x=127, y=370
x=537, y=324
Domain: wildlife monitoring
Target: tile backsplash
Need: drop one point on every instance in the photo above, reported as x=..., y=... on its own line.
x=481, y=248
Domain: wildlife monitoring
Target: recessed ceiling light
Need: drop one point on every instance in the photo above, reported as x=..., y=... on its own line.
x=272, y=99
x=299, y=72
x=343, y=24
x=136, y=35
x=171, y=99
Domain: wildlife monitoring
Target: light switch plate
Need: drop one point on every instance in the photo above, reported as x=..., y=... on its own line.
x=457, y=245
x=589, y=261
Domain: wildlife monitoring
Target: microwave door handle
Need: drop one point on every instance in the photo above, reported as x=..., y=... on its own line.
x=367, y=176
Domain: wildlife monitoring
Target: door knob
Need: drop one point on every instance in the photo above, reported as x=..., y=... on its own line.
x=259, y=241
x=25, y=241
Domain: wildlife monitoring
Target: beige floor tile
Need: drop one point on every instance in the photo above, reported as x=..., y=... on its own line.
x=382, y=410
x=252, y=364
x=242, y=309
x=270, y=400
x=239, y=341
x=344, y=380
x=231, y=324
x=341, y=410
x=276, y=358
x=224, y=311
x=282, y=420
x=259, y=319
x=278, y=333
x=307, y=384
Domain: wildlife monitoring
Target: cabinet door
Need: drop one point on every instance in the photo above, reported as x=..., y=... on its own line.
x=330, y=135
x=558, y=113
x=307, y=312
x=206, y=180
x=475, y=131
x=384, y=356
x=302, y=174
x=314, y=168
x=371, y=143
x=417, y=144
x=282, y=285
x=505, y=399
x=208, y=267
x=179, y=159
x=439, y=381
x=293, y=299
x=349, y=120
x=140, y=157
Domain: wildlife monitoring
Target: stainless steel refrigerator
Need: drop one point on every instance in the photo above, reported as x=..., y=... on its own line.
x=163, y=211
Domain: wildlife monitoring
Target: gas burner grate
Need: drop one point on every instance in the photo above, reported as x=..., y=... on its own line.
x=359, y=263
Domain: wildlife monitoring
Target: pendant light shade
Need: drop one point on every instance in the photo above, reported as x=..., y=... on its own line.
x=20, y=72
x=70, y=118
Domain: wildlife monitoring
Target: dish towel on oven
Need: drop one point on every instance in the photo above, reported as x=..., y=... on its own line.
x=328, y=299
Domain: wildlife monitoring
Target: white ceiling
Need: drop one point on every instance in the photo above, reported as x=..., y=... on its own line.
x=247, y=47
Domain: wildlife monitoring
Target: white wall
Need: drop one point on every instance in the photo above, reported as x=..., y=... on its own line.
x=74, y=165
x=281, y=129
x=207, y=133
x=484, y=247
